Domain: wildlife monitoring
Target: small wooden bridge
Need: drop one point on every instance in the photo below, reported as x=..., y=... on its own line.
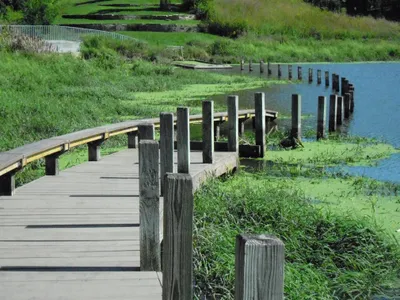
x=93, y=231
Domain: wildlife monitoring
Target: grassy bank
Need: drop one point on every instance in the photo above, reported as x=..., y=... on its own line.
x=339, y=231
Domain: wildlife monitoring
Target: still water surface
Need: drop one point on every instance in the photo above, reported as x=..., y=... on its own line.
x=377, y=104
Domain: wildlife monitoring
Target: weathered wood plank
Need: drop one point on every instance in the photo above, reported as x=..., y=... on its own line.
x=183, y=139
x=166, y=146
x=332, y=113
x=259, y=105
x=321, y=118
x=208, y=131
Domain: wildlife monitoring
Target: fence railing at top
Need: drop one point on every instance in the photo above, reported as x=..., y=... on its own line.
x=64, y=33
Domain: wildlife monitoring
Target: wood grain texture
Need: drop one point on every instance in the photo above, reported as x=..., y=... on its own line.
x=332, y=113
x=208, y=131
x=296, y=116
x=166, y=146
x=146, y=132
x=340, y=110
x=183, y=139
x=259, y=267
x=177, y=244
x=149, y=185
x=347, y=105
x=259, y=105
x=321, y=118
x=233, y=123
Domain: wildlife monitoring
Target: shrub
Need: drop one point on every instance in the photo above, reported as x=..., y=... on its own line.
x=23, y=43
x=40, y=12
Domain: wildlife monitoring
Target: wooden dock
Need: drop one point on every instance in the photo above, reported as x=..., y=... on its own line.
x=76, y=235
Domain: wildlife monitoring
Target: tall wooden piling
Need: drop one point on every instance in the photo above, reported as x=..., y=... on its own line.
x=166, y=146
x=296, y=116
x=149, y=206
x=290, y=75
x=343, y=85
x=233, y=123
x=183, y=139
x=351, y=91
x=259, y=106
x=269, y=69
x=177, y=255
x=319, y=79
x=259, y=267
x=299, y=73
x=208, y=131
x=340, y=110
x=250, y=66
x=321, y=117
x=262, y=67
x=347, y=105
x=326, y=78
x=332, y=113
x=310, y=75
x=241, y=65
x=279, y=71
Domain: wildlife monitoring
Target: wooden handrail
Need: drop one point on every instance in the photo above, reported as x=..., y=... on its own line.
x=19, y=157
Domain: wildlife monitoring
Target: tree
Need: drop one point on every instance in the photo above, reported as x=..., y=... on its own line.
x=164, y=4
x=40, y=12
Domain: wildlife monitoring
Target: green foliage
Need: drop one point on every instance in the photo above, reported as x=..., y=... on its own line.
x=328, y=256
x=40, y=12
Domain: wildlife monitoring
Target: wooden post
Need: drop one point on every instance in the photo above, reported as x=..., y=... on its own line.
x=296, y=116
x=279, y=71
x=326, y=78
x=149, y=206
x=321, y=117
x=166, y=146
x=233, y=123
x=319, y=79
x=340, y=112
x=217, y=130
x=208, y=132
x=259, y=106
x=250, y=66
x=351, y=91
x=290, y=75
x=343, y=85
x=299, y=73
x=183, y=139
x=262, y=67
x=146, y=132
x=334, y=82
x=332, y=113
x=94, y=150
x=347, y=105
x=132, y=139
x=241, y=126
x=269, y=69
x=52, y=164
x=7, y=184
x=310, y=75
x=337, y=83
x=259, y=267
x=177, y=257
x=242, y=65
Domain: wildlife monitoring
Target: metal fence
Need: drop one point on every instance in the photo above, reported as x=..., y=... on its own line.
x=63, y=33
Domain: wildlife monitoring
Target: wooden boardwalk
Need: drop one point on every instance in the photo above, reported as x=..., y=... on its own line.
x=76, y=236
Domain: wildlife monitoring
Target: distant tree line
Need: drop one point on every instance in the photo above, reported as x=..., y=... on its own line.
x=389, y=9
x=35, y=12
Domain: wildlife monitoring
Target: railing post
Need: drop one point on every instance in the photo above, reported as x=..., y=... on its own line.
x=177, y=260
x=340, y=110
x=7, y=184
x=94, y=150
x=321, y=117
x=332, y=113
x=149, y=206
x=166, y=146
x=319, y=79
x=233, y=124
x=146, y=132
x=208, y=132
x=296, y=116
x=52, y=164
x=183, y=139
x=290, y=74
x=326, y=78
x=259, y=267
x=299, y=73
x=132, y=139
x=259, y=105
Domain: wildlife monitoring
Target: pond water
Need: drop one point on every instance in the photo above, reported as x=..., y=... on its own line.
x=377, y=104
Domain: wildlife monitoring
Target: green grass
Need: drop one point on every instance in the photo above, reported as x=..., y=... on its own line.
x=85, y=21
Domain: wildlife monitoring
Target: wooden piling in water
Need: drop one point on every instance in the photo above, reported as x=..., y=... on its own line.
x=319, y=80
x=326, y=78
x=321, y=117
x=340, y=110
x=262, y=66
x=332, y=113
x=208, y=132
x=259, y=107
x=233, y=123
x=279, y=71
x=310, y=75
x=166, y=146
x=299, y=73
x=250, y=66
x=149, y=206
x=242, y=65
x=296, y=116
x=351, y=91
x=269, y=69
x=290, y=75
x=177, y=255
x=259, y=267
x=343, y=85
x=347, y=105
x=183, y=139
